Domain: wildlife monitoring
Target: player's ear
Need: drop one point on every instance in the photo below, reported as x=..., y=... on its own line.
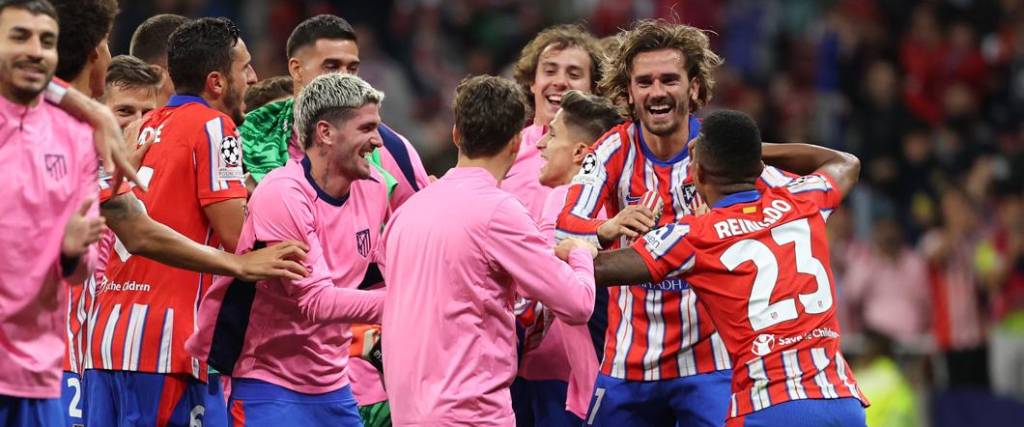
x=513, y=145
x=456, y=137
x=295, y=69
x=323, y=133
x=216, y=83
x=579, y=152
x=694, y=89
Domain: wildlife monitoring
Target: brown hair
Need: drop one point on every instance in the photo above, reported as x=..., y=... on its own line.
x=593, y=115
x=560, y=37
x=488, y=111
x=129, y=71
x=650, y=35
x=267, y=90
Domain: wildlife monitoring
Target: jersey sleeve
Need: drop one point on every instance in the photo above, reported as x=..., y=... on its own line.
x=516, y=244
x=666, y=251
x=819, y=188
x=218, y=156
x=280, y=211
x=264, y=143
x=590, y=189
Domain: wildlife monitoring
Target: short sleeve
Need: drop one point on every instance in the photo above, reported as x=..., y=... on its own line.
x=666, y=251
x=218, y=157
x=819, y=188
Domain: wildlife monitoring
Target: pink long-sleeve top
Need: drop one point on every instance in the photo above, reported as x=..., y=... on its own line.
x=455, y=255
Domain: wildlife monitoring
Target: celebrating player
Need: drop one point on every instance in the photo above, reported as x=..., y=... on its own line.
x=51, y=218
x=579, y=122
x=289, y=358
x=558, y=59
x=132, y=87
x=447, y=330
x=662, y=362
x=759, y=260
x=323, y=44
x=145, y=310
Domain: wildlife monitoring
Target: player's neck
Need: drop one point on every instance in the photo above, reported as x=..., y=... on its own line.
x=715, y=193
x=82, y=84
x=333, y=184
x=496, y=166
x=666, y=147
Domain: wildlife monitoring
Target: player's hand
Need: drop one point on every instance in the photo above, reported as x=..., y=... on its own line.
x=633, y=221
x=112, y=149
x=567, y=245
x=281, y=260
x=81, y=231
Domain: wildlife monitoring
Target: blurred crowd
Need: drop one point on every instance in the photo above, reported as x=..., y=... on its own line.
x=929, y=254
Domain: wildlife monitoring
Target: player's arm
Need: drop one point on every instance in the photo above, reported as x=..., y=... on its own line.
x=515, y=243
x=281, y=212
x=107, y=136
x=226, y=218
x=621, y=266
x=661, y=253
x=806, y=159
x=587, y=196
x=143, y=236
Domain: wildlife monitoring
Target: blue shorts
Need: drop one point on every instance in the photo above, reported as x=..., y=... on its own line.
x=72, y=399
x=259, y=403
x=123, y=398
x=697, y=400
x=545, y=402
x=24, y=412
x=845, y=412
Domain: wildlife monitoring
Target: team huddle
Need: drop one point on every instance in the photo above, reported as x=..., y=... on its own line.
x=268, y=253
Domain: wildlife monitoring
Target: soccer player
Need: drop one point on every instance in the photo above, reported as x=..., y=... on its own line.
x=579, y=122
x=560, y=58
x=131, y=88
x=759, y=261
x=149, y=43
x=50, y=217
x=284, y=342
x=456, y=255
x=663, y=362
x=137, y=366
x=319, y=45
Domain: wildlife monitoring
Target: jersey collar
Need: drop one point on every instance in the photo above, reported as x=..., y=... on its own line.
x=694, y=125
x=331, y=200
x=181, y=99
x=736, y=198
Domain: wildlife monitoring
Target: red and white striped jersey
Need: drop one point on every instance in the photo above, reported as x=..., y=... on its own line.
x=656, y=330
x=143, y=311
x=759, y=261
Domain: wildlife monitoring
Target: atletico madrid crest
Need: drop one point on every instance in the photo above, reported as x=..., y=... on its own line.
x=363, y=242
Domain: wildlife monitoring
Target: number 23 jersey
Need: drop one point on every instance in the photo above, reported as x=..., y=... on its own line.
x=759, y=261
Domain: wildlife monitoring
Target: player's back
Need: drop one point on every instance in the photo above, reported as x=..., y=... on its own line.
x=145, y=310
x=448, y=312
x=760, y=264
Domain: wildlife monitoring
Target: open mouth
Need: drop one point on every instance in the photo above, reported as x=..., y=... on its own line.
x=555, y=99
x=659, y=110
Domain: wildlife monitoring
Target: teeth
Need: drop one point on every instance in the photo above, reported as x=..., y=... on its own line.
x=555, y=99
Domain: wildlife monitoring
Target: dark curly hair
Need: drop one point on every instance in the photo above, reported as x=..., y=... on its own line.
x=83, y=25
x=199, y=48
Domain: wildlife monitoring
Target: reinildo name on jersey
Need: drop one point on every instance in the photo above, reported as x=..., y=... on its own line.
x=131, y=285
x=738, y=226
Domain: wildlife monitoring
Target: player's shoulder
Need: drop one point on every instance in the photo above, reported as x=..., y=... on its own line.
x=63, y=120
x=614, y=138
x=287, y=181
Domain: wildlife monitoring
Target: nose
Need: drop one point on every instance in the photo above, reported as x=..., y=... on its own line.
x=250, y=76
x=543, y=142
x=561, y=80
x=376, y=140
x=34, y=48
